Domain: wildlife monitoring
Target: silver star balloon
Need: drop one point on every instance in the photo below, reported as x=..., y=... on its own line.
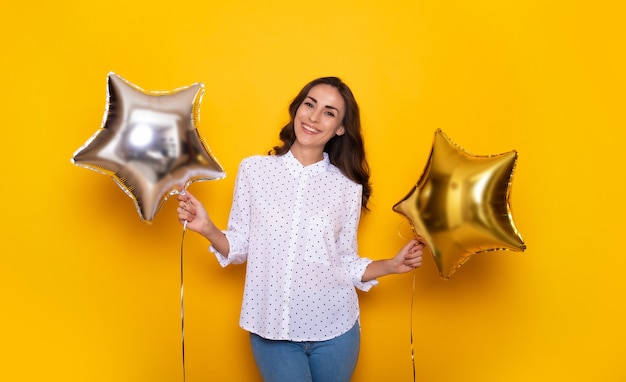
x=149, y=143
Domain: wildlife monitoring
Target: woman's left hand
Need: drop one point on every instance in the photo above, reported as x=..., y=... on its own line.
x=406, y=260
x=409, y=257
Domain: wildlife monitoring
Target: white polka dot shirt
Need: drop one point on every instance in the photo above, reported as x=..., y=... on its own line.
x=296, y=226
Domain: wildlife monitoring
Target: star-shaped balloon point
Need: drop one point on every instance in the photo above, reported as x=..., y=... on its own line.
x=149, y=143
x=460, y=206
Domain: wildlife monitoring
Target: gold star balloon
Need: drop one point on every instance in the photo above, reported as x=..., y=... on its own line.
x=149, y=143
x=460, y=205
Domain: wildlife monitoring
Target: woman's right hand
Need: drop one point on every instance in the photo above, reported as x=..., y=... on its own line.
x=193, y=212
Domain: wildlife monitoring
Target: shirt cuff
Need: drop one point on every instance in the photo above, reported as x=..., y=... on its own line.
x=357, y=276
x=236, y=254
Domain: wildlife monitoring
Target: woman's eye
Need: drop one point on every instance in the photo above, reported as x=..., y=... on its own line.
x=309, y=104
x=330, y=114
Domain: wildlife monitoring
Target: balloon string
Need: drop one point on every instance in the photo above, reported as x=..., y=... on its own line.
x=411, y=313
x=411, y=326
x=182, y=299
x=400, y=233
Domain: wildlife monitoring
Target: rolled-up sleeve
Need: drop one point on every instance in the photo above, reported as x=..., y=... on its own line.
x=238, y=230
x=238, y=253
x=356, y=269
x=348, y=247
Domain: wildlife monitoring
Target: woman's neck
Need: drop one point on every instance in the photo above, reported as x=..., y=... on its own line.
x=307, y=156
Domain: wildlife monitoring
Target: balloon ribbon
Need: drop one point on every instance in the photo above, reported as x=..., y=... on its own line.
x=411, y=326
x=182, y=298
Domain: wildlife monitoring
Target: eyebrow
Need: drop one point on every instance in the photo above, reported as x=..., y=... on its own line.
x=326, y=106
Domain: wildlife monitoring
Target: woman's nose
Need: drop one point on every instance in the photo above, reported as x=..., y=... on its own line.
x=314, y=115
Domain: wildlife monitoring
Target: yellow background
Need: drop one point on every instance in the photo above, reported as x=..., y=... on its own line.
x=91, y=293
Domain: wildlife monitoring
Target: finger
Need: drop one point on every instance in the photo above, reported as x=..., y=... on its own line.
x=414, y=256
x=408, y=247
x=190, y=197
x=415, y=263
x=184, y=209
x=414, y=252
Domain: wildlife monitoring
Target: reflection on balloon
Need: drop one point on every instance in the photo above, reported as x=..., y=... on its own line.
x=149, y=143
x=460, y=205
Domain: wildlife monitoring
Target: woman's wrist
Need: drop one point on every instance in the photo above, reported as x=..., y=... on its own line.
x=389, y=266
x=379, y=268
x=210, y=231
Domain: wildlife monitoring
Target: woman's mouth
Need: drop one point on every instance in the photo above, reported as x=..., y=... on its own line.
x=309, y=129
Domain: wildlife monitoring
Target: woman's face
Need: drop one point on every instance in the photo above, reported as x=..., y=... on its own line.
x=319, y=117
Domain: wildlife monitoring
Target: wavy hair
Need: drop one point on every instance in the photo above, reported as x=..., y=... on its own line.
x=346, y=151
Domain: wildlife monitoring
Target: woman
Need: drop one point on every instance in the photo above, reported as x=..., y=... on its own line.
x=294, y=219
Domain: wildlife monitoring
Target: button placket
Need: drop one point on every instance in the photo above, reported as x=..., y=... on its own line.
x=293, y=243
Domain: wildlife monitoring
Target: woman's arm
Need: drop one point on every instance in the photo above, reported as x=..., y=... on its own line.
x=407, y=259
x=192, y=211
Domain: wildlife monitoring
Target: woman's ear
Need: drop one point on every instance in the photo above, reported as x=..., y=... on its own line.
x=341, y=130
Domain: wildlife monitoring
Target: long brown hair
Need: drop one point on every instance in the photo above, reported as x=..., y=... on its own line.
x=346, y=151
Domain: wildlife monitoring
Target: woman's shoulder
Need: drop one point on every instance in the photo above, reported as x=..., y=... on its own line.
x=257, y=160
x=341, y=177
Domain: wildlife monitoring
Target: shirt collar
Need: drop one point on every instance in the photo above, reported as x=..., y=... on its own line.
x=295, y=167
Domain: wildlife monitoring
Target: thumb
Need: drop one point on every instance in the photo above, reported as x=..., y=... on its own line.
x=409, y=246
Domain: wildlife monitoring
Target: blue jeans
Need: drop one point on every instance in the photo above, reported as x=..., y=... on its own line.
x=332, y=360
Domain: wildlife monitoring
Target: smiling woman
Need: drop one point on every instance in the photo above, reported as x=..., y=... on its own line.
x=294, y=219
